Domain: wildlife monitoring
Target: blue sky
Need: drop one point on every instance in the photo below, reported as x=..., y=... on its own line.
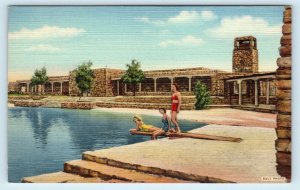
x=62, y=37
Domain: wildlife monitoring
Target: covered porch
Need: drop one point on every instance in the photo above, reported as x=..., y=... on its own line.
x=160, y=85
x=257, y=91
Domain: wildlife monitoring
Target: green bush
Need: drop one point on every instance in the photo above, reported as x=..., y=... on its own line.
x=202, y=96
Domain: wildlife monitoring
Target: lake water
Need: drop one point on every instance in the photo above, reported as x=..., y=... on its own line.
x=40, y=140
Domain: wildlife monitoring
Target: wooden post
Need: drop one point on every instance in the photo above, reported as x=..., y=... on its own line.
x=118, y=87
x=268, y=92
x=61, y=86
x=240, y=91
x=190, y=83
x=154, y=79
x=256, y=92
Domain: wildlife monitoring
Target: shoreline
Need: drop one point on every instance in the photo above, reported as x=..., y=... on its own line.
x=216, y=116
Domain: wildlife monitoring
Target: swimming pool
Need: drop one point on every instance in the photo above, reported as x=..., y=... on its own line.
x=40, y=140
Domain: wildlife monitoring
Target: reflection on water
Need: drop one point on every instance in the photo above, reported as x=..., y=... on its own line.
x=40, y=140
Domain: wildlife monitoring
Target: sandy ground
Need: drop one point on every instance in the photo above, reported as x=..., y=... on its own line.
x=220, y=116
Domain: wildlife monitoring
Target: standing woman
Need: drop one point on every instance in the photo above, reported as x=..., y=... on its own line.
x=175, y=107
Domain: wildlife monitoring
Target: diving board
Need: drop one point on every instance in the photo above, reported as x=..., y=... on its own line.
x=191, y=135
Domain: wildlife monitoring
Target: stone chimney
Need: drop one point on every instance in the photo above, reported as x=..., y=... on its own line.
x=245, y=55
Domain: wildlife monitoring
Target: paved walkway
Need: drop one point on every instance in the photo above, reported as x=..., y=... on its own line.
x=247, y=161
x=220, y=116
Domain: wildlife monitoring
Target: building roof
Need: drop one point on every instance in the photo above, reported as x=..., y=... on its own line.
x=247, y=75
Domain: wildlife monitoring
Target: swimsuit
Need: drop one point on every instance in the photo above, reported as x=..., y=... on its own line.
x=174, y=106
x=165, y=124
x=145, y=128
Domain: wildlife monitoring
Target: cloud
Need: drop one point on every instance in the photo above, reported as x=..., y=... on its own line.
x=46, y=32
x=208, y=15
x=181, y=18
x=231, y=27
x=184, y=17
x=185, y=41
x=43, y=48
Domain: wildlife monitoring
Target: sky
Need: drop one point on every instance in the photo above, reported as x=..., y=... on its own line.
x=160, y=37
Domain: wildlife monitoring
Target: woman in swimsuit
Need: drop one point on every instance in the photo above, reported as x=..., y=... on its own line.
x=141, y=126
x=175, y=106
x=166, y=121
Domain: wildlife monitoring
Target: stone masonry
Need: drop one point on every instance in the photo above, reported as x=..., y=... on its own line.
x=245, y=55
x=284, y=84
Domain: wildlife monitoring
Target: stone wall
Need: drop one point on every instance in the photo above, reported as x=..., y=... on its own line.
x=13, y=87
x=102, y=84
x=28, y=103
x=284, y=100
x=78, y=105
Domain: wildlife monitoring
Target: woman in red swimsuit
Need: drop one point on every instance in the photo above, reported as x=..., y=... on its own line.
x=175, y=107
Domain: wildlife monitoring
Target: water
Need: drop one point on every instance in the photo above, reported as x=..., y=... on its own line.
x=40, y=140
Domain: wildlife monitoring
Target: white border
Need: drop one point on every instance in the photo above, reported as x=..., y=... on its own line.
x=4, y=185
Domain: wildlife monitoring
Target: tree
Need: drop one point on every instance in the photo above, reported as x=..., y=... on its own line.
x=202, y=96
x=133, y=74
x=84, y=77
x=39, y=77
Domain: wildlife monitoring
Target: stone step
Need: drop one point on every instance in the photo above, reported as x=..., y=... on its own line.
x=154, y=99
x=95, y=157
x=141, y=105
x=63, y=177
x=106, y=172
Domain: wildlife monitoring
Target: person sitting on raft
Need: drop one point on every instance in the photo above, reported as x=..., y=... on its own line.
x=166, y=121
x=141, y=126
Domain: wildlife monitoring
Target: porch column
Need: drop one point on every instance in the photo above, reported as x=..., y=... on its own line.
x=268, y=92
x=172, y=79
x=256, y=92
x=154, y=79
x=240, y=91
x=35, y=88
x=125, y=88
x=61, y=84
x=190, y=83
x=27, y=88
x=118, y=87
x=52, y=87
x=140, y=87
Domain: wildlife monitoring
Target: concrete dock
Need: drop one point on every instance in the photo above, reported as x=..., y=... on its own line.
x=181, y=160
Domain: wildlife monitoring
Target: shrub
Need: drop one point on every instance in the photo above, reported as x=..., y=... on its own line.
x=202, y=96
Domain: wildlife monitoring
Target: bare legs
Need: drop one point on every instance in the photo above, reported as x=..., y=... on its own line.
x=156, y=133
x=174, y=121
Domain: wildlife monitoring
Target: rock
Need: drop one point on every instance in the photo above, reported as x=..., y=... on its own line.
x=283, y=132
x=283, y=145
x=284, y=106
x=283, y=94
x=287, y=29
x=285, y=51
x=284, y=84
x=284, y=62
x=287, y=16
x=286, y=40
x=284, y=158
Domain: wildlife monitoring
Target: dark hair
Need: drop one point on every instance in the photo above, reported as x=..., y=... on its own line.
x=165, y=111
x=176, y=86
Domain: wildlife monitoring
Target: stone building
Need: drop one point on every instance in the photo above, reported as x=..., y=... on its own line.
x=244, y=87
